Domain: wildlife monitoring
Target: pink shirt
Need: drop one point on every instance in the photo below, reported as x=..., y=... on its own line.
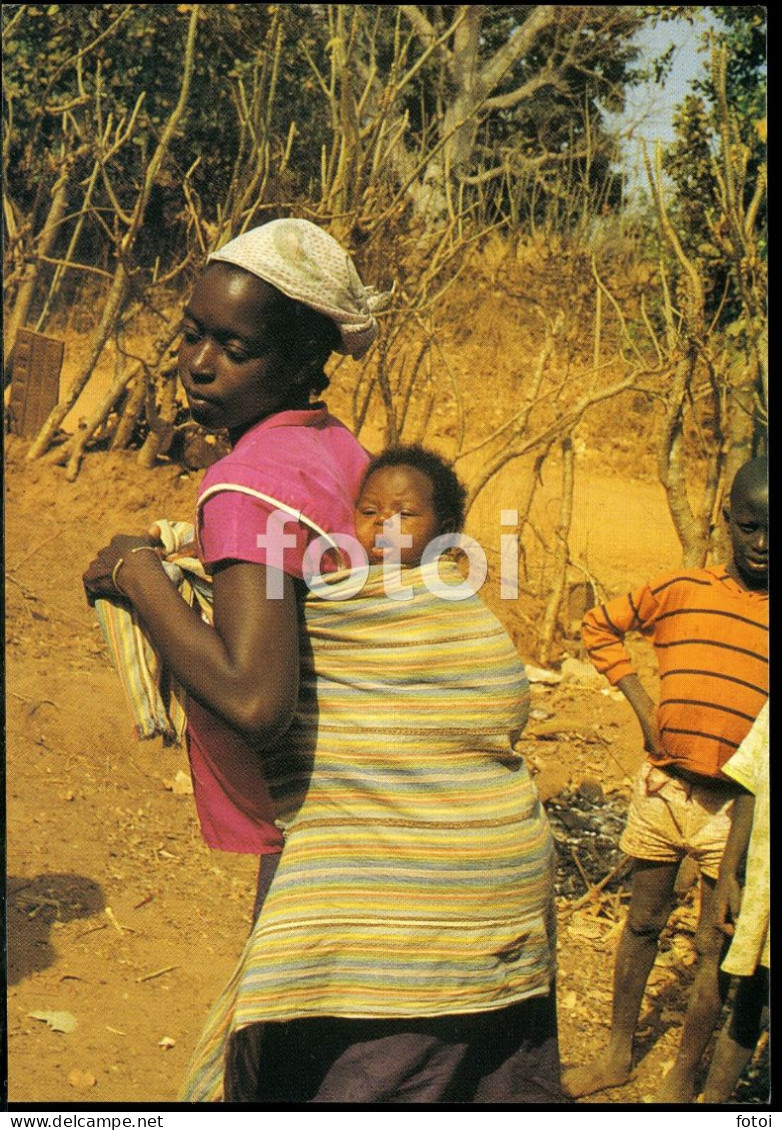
x=307, y=467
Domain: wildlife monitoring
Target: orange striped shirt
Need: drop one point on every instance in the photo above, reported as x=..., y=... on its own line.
x=710, y=638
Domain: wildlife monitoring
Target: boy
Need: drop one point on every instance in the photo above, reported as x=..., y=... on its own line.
x=709, y=630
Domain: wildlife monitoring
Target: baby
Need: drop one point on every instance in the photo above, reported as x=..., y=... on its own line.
x=408, y=496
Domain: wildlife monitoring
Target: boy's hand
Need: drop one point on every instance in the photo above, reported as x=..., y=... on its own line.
x=727, y=903
x=651, y=733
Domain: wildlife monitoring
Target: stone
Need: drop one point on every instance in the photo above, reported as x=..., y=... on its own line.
x=581, y=674
x=591, y=790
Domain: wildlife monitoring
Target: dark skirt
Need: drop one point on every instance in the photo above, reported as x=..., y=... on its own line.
x=507, y=1056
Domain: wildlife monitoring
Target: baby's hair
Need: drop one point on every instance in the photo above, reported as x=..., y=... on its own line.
x=449, y=496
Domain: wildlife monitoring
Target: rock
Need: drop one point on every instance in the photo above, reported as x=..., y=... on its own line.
x=572, y=818
x=182, y=784
x=81, y=1080
x=539, y=715
x=591, y=790
x=539, y=675
x=613, y=693
x=592, y=831
x=582, y=674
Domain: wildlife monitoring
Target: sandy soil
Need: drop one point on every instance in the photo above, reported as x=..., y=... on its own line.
x=120, y=917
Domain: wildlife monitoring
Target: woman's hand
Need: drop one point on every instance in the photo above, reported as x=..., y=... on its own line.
x=103, y=577
x=188, y=549
x=244, y=667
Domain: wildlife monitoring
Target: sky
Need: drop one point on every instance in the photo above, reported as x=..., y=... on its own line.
x=648, y=115
x=650, y=107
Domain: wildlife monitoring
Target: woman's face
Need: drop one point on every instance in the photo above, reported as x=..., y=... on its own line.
x=232, y=375
x=402, y=492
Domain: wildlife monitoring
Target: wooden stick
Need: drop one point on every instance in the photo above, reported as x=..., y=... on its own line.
x=613, y=874
x=91, y=930
x=157, y=973
x=112, y=919
x=589, y=885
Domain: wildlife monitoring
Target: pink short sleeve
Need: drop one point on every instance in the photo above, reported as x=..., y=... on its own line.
x=235, y=810
x=238, y=527
x=289, y=478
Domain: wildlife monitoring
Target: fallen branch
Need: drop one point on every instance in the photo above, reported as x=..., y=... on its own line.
x=587, y=882
x=596, y=888
x=157, y=973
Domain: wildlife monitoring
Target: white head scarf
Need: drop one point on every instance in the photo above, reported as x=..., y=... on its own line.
x=307, y=264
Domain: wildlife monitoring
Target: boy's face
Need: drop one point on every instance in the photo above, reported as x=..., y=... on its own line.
x=747, y=518
x=402, y=492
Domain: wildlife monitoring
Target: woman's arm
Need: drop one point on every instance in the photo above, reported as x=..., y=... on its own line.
x=245, y=668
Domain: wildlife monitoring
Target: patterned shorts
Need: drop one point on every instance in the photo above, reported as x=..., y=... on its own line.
x=670, y=818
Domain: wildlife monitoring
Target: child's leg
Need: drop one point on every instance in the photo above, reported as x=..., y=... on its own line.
x=707, y=997
x=650, y=907
x=738, y=1038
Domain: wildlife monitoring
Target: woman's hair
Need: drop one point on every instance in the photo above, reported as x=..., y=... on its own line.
x=299, y=332
x=301, y=335
x=448, y=494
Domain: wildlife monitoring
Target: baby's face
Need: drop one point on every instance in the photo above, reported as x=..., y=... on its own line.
x=403, y=493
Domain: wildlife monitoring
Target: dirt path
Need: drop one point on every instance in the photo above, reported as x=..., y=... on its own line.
x=123, y=926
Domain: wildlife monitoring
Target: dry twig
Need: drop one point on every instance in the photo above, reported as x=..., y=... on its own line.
x=595, y=889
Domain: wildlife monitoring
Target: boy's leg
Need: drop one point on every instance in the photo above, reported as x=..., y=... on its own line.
x=706, y=1000
x=650, y=907
x=738, y=1038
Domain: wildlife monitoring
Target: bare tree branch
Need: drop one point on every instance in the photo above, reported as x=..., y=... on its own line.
x=519, y=44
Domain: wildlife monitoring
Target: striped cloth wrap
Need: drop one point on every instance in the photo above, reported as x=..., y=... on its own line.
x=156, y=701
x=417, y=874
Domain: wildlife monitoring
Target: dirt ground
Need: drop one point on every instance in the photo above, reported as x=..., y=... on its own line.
x=122, y=925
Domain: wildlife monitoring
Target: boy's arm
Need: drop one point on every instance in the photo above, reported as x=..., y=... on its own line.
x=645, y=711
x=727, y=892
x=748, y=767
x=603, y=633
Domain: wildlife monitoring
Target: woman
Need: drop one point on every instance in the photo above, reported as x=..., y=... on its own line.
x=261, y=323
x=373, y=993
x=405, y=951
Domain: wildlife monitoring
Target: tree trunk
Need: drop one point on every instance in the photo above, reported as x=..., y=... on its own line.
x=111, y=312
x=672, y=470
x=120, y=283
x=561, y=552
x=134, y=406
x=460, y=123
x=24, y=297
x=161, y=422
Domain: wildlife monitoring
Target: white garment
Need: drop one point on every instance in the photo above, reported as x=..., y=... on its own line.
x=308, y=265
x=751, y=942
